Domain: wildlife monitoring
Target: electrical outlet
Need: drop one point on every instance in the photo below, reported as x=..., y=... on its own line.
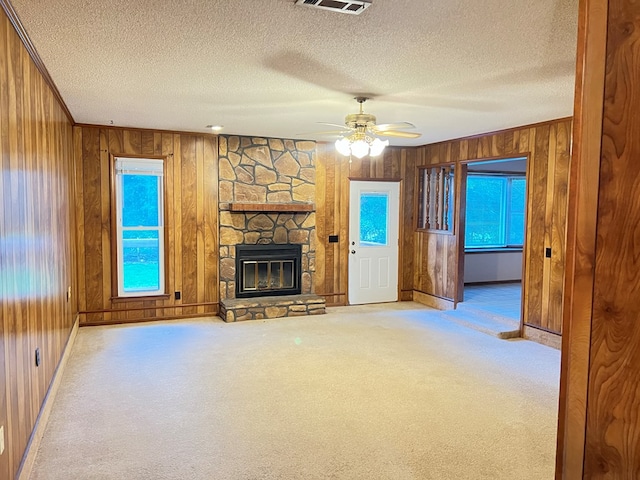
x=1, y=440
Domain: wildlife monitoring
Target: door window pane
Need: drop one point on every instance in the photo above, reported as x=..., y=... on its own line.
x=374, y=213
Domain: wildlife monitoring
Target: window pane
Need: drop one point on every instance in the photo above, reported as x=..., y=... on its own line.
x=141, y=258
x=140, y=201
x=373, y=218
x=485, y=216
x=516, y=212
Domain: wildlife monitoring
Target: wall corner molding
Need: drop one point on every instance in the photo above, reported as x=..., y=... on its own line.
x=12, y=15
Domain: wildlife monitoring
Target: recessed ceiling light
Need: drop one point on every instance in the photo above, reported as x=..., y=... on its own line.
x=215, y=128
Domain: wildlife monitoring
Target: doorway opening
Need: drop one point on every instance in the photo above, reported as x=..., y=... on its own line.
x=493, y=228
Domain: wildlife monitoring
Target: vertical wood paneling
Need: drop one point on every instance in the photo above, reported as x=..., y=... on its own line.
x=547, y=146
x=333, y=172
x=105, y=204
x=613, y=412
x=177, y=217
x=321, y=217
x=210, y=220
x=167, y=153
x=92, y=170
x=558, y=224
x=191, y=220
x=200, y=219
x=36, y=253
x=407, y=170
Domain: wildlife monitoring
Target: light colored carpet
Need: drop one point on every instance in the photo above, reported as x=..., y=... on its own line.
x=373, y=392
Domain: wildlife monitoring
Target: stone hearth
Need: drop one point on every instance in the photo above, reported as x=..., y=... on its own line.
x=259, y=308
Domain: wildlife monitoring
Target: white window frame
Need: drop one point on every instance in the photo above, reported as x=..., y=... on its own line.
x=505, y=211
x=139, y=166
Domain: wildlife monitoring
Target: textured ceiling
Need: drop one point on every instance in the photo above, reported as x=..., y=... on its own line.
x=272, y=68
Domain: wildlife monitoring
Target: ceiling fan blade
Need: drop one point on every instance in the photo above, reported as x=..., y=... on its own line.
x=343, y=126
x=393, y=126
x=393, y=133
x=327, y=132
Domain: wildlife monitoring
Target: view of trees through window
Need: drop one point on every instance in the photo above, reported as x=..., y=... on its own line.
x=374, y=209
x=140, y=245
x=139, y=186
x=495, y=211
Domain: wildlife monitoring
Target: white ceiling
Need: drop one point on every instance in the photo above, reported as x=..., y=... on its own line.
x=272, y=68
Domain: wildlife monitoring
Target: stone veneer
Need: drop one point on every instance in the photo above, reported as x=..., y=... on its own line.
x=259, y=308
x=265, y=171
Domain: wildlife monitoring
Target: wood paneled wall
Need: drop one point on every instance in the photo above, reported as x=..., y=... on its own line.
x=599, y=422
x=430, y=261
x=333, y=172
x=191, y=194
x=37, y=264
x=547, y=147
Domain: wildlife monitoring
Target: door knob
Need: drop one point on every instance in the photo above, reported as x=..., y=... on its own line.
x=353, y=251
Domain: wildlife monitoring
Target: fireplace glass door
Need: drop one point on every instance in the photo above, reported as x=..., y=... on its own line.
x=268, y=275
x=268, y=270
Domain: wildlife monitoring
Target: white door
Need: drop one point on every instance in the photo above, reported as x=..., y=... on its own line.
x=373, y=241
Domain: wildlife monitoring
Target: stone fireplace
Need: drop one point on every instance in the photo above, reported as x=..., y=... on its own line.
x=267, y=194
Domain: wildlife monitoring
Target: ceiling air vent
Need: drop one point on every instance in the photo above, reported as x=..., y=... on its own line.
x=354, y=7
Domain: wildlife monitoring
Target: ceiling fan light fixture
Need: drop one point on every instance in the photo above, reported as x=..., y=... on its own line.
x=377, y=147
x=360, y=146
x=343, y=146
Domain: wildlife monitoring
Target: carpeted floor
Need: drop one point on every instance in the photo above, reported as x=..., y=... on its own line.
x=373, y=392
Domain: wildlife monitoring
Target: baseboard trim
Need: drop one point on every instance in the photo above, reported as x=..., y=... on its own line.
x=549, y=339
x=432, y=301
x=29, y=456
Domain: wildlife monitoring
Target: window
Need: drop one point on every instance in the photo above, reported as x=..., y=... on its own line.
x=435, y=190
x=139, y=187
x=495, y=211
x=374, y=211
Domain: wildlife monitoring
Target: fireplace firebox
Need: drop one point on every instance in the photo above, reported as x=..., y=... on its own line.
x=263, y=270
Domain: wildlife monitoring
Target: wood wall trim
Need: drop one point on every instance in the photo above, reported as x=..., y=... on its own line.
x=507, y=130
x=147, y=130
x=162, y=307
x=433, y=301
x=145, y=320
x=33, y=53
x=581, y=238
x=549, y=339
x=365, y=179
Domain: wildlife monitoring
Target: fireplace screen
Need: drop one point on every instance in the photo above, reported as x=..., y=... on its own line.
x=267, y=270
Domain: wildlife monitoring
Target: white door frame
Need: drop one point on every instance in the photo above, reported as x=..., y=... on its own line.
x=394, y=215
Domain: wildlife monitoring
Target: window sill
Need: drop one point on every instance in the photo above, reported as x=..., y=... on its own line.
x=147, y=298
x=434, y=231
x=493, y=250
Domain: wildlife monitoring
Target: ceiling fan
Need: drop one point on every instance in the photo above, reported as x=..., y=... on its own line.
x=361, y=133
